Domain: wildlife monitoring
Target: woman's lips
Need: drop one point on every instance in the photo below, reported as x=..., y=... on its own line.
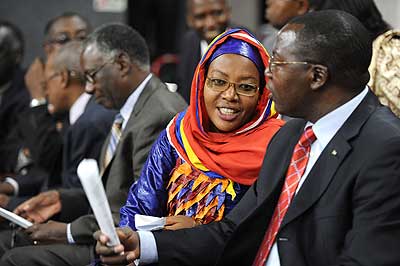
x=228, y=114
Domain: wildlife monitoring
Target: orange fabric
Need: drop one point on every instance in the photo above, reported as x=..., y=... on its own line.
x=236, y=155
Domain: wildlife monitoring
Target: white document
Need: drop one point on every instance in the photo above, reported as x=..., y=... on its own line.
x=12, y=217
x=88, y=173
x=149, y=223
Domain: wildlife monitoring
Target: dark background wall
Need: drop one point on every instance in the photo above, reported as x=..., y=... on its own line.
x=31, y=17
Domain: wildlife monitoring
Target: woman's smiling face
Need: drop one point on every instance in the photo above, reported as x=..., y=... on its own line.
x=228, y=110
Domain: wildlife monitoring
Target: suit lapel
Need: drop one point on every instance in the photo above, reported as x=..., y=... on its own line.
x=330, y=160
x=141, y=101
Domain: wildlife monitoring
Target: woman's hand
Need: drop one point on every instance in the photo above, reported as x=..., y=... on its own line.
x=179, y=222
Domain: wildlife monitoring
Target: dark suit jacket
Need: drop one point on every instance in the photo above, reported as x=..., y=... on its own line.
x=189, y=57
x=84, y=139
x=154, y=109
x=347, y=212
x=14, y=101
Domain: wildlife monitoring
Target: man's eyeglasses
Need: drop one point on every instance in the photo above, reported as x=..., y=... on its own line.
x=90, y=75
x=272, y=64
x=220, y=85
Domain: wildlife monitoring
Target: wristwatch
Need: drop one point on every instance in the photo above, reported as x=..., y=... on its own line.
x=37, y=101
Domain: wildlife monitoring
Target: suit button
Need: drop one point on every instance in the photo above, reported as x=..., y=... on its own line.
x=283, y=239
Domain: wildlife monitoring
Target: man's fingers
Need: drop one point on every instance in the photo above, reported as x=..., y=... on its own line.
x=104, y=250
x=123, y=259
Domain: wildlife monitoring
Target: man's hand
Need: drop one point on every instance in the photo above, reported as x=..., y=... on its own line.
x=34, y=79
x=50, y=232
x=41, y=207
x=122, y=254
x=179, y=222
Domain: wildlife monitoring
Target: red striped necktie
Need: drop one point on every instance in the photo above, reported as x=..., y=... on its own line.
x=296, y=169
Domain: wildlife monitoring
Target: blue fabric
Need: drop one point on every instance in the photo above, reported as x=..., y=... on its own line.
x=236, y=46
x=148, y=196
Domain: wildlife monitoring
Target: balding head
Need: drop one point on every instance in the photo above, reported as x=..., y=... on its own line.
x=68, y=58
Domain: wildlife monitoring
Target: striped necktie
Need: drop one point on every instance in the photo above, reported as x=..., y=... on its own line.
x=116, y=132
x=296, y=169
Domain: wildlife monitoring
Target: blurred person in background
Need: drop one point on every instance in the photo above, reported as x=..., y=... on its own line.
x=14, y=97
x=206, y=20
x=34, y=150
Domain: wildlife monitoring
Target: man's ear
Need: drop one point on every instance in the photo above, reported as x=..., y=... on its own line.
x=319, y=76
x=124, y=64
x=64, y=78
x=189, y=20
x=304, y=7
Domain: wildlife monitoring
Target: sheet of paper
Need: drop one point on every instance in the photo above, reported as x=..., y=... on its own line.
x=12, y=217
x=88, y=173
x=149, y=223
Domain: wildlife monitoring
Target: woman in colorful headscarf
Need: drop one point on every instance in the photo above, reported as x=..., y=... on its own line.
x=208, y=156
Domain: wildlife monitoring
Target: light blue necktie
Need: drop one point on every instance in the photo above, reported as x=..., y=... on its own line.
x=116, y=132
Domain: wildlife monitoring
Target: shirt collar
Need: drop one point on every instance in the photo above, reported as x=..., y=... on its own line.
x=203, y=47
x=78, y=107
x=327, y=126
x=128, y=106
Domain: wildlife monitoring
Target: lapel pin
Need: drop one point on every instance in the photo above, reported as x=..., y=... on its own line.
x=334, y=152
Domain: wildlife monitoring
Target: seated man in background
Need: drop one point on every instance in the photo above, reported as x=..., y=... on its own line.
x=206, y=19
x=14, y=97
x=89, y=122
x=116, y=63
x=329, y=188
x=34, y=159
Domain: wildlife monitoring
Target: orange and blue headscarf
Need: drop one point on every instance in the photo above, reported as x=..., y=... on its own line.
x=235, y=155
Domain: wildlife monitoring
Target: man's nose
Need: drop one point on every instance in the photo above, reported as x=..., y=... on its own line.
x=210, y=22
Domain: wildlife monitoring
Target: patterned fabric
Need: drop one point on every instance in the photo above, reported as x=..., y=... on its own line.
x=385, y=70
x=114, y=139
x=295, y=171
x=194, y=194
x=220, y=155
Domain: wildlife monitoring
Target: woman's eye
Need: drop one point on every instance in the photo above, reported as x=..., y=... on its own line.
x=218, y=82
x=247, y=87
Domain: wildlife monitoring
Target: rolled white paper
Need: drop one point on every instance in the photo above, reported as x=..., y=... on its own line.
x=88, y=173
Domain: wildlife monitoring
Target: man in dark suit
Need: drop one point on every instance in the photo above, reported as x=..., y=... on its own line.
x=206, y=19
x=33, y=158
x=14, y=97
x=88, y=122
x=116, y=64
x=342, y=206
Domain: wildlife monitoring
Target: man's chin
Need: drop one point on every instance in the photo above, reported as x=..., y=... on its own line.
x=102, y=101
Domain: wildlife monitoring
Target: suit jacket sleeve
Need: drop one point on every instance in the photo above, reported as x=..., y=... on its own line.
x=188, y=246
